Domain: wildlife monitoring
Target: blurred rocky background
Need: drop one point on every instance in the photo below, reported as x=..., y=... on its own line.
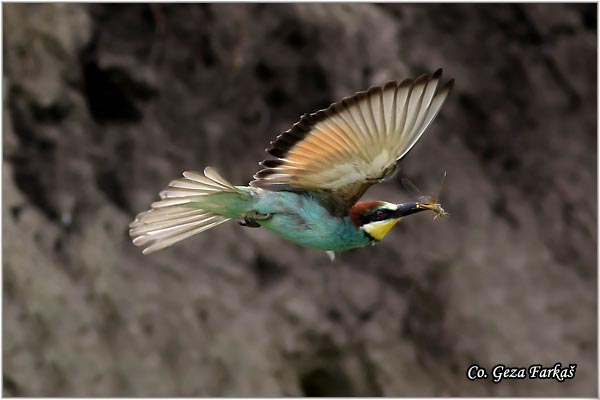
x=104, y=104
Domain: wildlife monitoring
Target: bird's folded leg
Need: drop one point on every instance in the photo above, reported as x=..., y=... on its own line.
x=250, y=223
x=250, y=220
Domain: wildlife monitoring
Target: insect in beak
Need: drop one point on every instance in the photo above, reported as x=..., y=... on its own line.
x=429, y=203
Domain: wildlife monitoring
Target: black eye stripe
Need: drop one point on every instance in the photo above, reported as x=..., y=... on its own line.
x=377, y=215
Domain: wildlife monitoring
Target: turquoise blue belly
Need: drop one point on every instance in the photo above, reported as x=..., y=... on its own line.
x=301, y=219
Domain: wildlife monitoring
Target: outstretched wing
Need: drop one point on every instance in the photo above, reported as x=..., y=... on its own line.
x=339, y=152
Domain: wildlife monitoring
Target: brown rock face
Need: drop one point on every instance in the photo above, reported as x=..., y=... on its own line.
x=105, y=104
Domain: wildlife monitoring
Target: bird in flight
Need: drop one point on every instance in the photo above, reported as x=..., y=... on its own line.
x=308, y=191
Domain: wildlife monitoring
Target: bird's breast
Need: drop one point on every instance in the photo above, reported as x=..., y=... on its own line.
x=302, y=219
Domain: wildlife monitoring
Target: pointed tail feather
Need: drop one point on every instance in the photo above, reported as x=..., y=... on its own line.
x=176, y=216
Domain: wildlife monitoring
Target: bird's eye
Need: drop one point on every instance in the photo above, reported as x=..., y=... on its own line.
x=380, y=214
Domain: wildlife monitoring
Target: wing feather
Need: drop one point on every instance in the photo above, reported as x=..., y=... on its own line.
x=404, y=90
x=340, y=151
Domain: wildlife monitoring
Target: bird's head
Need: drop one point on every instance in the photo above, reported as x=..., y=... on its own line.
x=376, y=218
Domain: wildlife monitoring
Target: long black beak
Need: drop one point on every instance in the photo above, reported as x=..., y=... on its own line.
x=405, y=209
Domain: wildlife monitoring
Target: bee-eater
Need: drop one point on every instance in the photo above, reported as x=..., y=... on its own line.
x=308, y=192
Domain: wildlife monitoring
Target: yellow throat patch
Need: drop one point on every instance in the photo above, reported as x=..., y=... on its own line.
x=377, y=230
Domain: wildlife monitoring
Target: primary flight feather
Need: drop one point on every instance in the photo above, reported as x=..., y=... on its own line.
x=308, y=192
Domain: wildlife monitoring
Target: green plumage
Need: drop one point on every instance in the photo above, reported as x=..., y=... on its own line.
x=297, y=217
